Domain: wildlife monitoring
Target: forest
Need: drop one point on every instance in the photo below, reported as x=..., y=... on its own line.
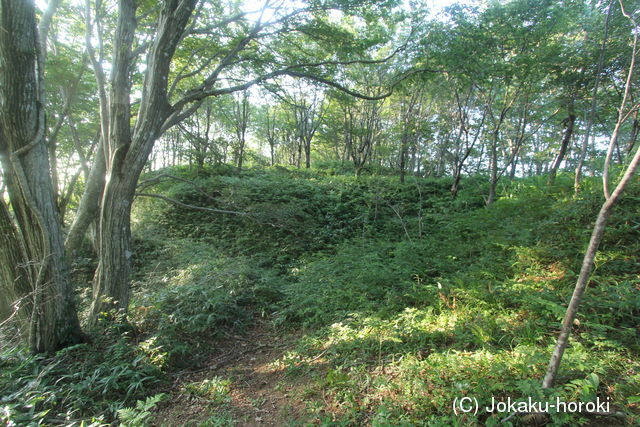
x=319, y=212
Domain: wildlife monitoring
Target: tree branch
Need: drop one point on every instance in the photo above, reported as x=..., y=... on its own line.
x=184, y=205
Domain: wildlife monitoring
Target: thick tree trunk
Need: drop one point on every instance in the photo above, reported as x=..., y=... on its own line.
x=15, y=290
x=25, y=162
x=127, y=149
x=111, y=284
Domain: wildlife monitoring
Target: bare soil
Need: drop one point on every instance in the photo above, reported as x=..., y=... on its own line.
x=258, y=394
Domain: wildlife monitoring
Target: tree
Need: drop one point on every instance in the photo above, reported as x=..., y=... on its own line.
x=305, y=105
x=192, y=52
x=410, y=113
x=270, y=133
x=469, y=132
x=198, y=132
x=594, y=100
x=362, y=129
x=240, y=122
x=308, y=115
x=33, y=247
x=568, y=123
x=611, y=198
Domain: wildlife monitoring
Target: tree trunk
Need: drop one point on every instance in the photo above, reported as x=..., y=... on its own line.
x=403, y=157
x=568, y=133
x=493, y=180
x=513, y=166
x=585, y=271
x=307, y=153
x=598, y=230
x=26, y=169
x=111, y=283
x=15, y=289
x=581, y=285
x=457, y=175
x=241, y=154
x=127, y=149
x=273, y=153
x=634, y=133
x=89, y=203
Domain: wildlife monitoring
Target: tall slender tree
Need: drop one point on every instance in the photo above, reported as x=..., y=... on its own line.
x=611, y=199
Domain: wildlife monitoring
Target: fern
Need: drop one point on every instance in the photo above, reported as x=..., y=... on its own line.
x=138, y=415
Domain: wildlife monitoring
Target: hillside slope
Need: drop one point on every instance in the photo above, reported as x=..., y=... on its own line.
x=299, y=297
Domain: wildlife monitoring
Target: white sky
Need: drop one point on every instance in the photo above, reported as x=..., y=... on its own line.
x=249, y=5
x=435, y=6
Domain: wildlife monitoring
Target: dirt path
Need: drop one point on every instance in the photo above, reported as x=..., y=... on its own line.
x=241, y=385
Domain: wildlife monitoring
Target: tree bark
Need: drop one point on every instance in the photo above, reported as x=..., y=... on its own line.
x=89, y=203
x=307, y=153
x=566, y=139
x=240, y=123
x=26, y=168
x=111, y=283
x=15, y=290
x=514, y=166
x=127, y=149
x=634, y=133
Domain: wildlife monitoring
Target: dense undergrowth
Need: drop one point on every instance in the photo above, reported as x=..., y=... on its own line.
x=407, y=299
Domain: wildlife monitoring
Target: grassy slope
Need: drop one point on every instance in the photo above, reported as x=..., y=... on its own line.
x=406, y=299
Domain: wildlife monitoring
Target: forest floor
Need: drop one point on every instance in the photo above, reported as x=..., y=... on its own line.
x=256, y=391
x=369, y=328
x=369, y=303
